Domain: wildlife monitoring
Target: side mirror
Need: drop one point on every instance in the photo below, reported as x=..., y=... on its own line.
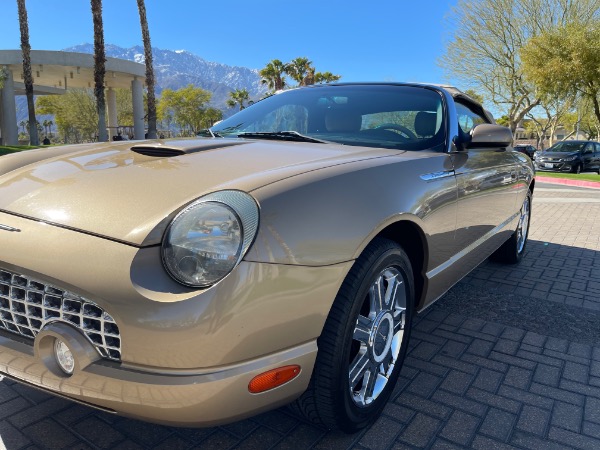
x=488, y=135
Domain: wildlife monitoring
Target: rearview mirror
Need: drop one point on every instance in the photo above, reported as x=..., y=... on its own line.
x=488, y=135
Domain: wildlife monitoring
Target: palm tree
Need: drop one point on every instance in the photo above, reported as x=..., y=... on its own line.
x=238, y=97
x=149, y=70
x=299, y=69
x=50, y=123
x=273, y=75
x=326, y=77
x=99, y=68
x=28, y=79
x=23, y=124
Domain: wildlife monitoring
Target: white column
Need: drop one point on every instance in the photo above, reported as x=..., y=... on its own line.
x=10, y=132
x=111, y=100
x=137, y=95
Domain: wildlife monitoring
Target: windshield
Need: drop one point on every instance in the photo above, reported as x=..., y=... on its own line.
x=403, y=117
x=567, y=147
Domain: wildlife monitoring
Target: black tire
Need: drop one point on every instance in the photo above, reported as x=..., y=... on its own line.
x=577, y=169
x=512, y=251
x=332, y=400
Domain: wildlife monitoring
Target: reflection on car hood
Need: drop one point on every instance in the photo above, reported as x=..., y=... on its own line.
x=112, y=191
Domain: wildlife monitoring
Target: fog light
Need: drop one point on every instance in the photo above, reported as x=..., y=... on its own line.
x=64, y=357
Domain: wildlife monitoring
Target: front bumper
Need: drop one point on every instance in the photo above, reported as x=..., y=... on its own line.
x=206, y=398
x=187, y=355
x=556, y=166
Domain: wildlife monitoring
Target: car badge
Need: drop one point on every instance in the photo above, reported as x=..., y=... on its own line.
x=7, y=228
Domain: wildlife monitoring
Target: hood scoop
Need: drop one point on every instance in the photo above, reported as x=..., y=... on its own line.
x=182, y=147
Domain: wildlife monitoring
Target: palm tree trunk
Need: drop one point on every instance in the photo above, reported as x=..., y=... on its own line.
x=99, y=68
x=28, y=79
x=149, y=70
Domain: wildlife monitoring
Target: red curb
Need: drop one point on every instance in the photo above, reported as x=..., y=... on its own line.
x=568, y=182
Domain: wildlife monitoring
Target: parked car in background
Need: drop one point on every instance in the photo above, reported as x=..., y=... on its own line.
x=279, y=259
x=528, y=150
x=570, y=156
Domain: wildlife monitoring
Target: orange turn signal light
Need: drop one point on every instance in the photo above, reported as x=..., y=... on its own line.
x=273, y=378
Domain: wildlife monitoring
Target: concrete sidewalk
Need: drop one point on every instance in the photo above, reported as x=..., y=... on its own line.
x=509, y=358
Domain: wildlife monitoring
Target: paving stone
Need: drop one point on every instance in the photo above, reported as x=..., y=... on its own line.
x=576, y=372
x=453, y=349
x=457, y=382
x=548, y=375
x=517, y=377
x=534, y=339
x=494, y=400
x=513, y=360
x=424, y=384
x=419, y=404
x=100, y=433
x=488, y=380
x=498, y=424
x=261, y=438
x=381, y=435
x=573, y=439
x=591, y=429
x=507, y=346
x=565, y=415
x=558, y=345
x=592, y=410
x=526, y=397
x=425, y=351
x=581, y=350
x=144, y=433
x=485, y=362
x=48, y=434
x=525, y=440
x=533, y=420
x=11, y=437
x=421, y=431
x=460, y=428
x=426, y=366
x=557, y=394
x=220, y=440
x=513, y=334
x=459, y=402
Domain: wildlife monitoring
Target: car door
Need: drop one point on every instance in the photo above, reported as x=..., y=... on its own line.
x=597, y=157
x=487, y=181
x=588, y=157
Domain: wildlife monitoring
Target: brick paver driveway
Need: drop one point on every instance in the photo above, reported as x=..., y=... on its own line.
x=510, y=357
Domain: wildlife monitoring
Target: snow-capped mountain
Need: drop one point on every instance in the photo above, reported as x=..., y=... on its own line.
x=177, y=68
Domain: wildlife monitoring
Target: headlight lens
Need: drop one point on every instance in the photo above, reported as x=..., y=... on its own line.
x=209, y=238
x=570, y=158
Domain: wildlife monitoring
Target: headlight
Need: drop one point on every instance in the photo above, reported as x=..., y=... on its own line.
x=570, y=158
x=206, y=240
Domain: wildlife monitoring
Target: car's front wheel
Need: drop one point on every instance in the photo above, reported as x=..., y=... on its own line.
x=364, y=341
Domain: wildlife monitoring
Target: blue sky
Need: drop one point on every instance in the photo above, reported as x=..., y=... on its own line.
x=384, y=40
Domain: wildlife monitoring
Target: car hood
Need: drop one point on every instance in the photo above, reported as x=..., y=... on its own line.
x=558, y=154
x=130, y=196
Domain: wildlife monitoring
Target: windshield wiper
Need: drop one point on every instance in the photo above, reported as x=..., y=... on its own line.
x=282, y=136
x=207, y=132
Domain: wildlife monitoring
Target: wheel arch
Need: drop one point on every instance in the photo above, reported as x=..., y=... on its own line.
x=411, y=238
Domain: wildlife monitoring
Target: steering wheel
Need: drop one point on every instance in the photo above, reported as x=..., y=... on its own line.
x=401, y=129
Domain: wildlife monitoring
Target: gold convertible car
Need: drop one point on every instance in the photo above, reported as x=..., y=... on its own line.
x=276, y=259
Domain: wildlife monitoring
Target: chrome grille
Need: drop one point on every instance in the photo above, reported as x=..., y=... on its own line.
x=26, y=305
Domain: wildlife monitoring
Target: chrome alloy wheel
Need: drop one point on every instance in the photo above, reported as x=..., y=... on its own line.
x=377, y=337
x=523, y=226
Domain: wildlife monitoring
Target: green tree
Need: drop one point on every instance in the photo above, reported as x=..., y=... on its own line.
x=273, y=75
x=301, y=71
x=565, y=61
x=27, y=78
x=483, y=52
x=151, y=100
x=475, y=96
x=74, y=112
x=238, y=97
x=326, y=77
x=99, y=68
x=185, y=106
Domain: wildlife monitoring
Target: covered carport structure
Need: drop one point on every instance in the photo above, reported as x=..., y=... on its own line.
x=54, y=72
